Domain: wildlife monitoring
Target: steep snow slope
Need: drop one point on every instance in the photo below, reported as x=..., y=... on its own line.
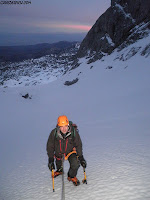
x=111, y=105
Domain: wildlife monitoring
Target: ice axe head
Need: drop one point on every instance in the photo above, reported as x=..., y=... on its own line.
x=84, y=181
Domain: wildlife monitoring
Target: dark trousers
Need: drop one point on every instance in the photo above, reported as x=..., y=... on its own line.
x=74, y=165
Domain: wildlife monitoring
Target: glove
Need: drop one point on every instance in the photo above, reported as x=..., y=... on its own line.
x=82, y=161
x=51, y=165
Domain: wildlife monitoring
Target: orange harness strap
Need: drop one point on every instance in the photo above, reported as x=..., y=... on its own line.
x=69, y=154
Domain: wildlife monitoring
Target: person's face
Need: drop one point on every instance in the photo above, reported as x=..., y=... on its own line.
x=64, y=129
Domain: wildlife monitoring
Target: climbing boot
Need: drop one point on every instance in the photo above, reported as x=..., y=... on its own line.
x=75, y=181
x=58, y=172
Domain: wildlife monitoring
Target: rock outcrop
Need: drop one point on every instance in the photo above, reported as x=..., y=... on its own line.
x=114, y=27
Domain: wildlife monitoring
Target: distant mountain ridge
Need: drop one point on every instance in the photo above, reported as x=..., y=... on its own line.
x=125, y=21
x=20, y=53
x=19, y=39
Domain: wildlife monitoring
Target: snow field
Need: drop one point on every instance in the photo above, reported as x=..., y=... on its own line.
x=112, y=110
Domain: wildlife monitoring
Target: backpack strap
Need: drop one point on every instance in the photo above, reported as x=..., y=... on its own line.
x=74, y=128
x=55, y=133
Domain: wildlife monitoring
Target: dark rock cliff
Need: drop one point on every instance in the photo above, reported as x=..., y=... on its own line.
x=114, y=27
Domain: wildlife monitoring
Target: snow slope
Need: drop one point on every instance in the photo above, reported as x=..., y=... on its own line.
x=111, y=105
x=37, y=71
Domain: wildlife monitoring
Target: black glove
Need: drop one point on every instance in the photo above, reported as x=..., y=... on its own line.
x=51, y=165
x=82, y=161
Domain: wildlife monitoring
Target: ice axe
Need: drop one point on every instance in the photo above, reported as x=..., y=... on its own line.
x=84, y=180
x=53, y=180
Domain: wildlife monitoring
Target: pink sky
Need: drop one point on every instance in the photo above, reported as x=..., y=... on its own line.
x=62, y=27
x=52, y=16
x=76, y=27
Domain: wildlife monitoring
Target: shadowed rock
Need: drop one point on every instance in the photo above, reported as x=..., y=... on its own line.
x=114, y=27
x=68, y=83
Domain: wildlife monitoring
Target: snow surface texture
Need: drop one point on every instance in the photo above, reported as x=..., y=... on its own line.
x=111, y=105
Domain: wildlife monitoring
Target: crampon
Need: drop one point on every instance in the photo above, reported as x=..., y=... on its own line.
x=74, y=180
x=57, y=173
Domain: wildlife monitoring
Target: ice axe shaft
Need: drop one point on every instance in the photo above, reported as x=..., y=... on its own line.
x=53, y=180
x=84, y=180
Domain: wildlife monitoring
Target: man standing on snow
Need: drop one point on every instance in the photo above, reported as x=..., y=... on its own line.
x=64, y=140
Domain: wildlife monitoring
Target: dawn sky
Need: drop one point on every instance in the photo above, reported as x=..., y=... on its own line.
x=51, y=16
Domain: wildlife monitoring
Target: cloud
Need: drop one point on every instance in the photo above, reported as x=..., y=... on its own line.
x=76, y=27
x=69, y=27
x=51, y=16
x=29, y=25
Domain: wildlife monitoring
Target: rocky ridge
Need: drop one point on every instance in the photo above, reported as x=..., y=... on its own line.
x=121, y=25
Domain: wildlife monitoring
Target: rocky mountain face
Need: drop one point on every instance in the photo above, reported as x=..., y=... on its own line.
x=122, y=24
